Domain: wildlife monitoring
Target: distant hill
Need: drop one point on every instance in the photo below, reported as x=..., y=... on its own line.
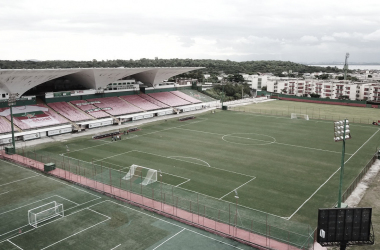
x=211, y=66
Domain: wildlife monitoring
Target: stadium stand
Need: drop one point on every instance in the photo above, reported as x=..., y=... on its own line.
x=87, y=107
x=154, y=101
x=34, y=120
x=140, y=102
x=5, y=126
x=68, y=111
x=185, y=97
x=169, y=99
x=117, y=106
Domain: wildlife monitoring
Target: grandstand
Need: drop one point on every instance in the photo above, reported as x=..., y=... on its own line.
x=114, y=105
x=154, y=101
x=70, y=112
x=140, y=102
x=90, y=109
x=169, y=99
x=185, y=97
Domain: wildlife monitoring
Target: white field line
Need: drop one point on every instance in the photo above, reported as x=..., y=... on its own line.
x=169, y=239
x=14, y=244
x=237, y=188
x=312, y=119
x=51, y=178
x=173, y=224
x=197, y=164
x=115, y=247
x=135, y=136
x=4, y=193
x=18, y=180
x=27, y=205
x=288, y=218
x=182, y=183
x=114, y=155
x=173, y=157
x=51, y=222
x=270, y=142
x=76, y=233
x=66, y=199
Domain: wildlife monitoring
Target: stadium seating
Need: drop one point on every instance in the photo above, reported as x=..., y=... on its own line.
x=96, y=114
x=154, y=101
x=185, y=97
x=140, y=102
x=55, y=119
x=68, y=111
x=117, y=105
x=5, y=126
x=169, y=99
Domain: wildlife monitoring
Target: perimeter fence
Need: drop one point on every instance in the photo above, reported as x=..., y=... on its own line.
x=269, y=227
x=312, y=113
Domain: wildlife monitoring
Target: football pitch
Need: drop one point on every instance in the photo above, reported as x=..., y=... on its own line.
x=91, y=220
x=282, y=167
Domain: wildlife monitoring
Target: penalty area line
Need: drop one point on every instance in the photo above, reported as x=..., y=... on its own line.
x=169, y=239
x=311, y=196
x=14, y=244
x=237, y=188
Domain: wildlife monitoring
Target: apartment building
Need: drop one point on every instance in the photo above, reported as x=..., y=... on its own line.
x=256, y=81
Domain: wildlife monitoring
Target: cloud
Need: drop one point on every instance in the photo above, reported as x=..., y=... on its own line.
x=328, y=39
x=374, y=36
x=342, y=34
x=309, y=39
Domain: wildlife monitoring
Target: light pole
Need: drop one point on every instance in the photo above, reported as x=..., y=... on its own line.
x=12, y=102
x=236, y=197
x=341, y=133
x=161, y=185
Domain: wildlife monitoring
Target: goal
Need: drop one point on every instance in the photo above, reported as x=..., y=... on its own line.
x=44, y=213
x=299, y=116
x=136, y=171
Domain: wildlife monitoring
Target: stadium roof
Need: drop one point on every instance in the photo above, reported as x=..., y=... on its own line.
x=21, y=80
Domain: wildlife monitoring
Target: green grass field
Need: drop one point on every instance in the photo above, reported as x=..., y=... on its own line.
x=91, y=221
x=315, y=111
x=283, y=168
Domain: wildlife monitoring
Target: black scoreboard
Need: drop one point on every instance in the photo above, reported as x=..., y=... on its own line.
x=350, y=226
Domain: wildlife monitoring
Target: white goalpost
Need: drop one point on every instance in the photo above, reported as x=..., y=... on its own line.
x=299, y=116
x=149, y=175
x=44, y=213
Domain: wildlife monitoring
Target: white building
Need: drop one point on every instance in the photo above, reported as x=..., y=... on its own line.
x=256, y=81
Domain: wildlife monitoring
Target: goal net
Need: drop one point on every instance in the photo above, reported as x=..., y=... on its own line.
x=299, y=116
x=147, y=175
x=44, y=213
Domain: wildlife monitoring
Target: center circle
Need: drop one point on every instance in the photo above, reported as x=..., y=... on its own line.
x=248, y=139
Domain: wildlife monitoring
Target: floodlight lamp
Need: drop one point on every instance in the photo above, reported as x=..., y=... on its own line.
x=347, y=131
x=341, y=137
x=347, y=136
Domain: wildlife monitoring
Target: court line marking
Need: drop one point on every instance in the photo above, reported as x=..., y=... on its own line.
x=182, y=183
x=171, y=223
x=51, y=222
x=288, y=218
x=169, y=239
x=135, y=136
x=14, y=244
x=108, y=218
x=268, y=142
x=4, y=192
x=202, y=193
x=18, y=180
x=237, y=188
x=115, y=247
x=173, y=157
x=51, y=178
x=284, y=117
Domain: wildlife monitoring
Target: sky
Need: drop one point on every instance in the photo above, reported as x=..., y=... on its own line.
x=239, y=30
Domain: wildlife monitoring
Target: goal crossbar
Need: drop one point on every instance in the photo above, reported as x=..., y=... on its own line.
x=299, y=116
x=137, y=171
x=44, y=213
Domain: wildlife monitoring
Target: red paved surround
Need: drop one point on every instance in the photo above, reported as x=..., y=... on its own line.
x=246, y=237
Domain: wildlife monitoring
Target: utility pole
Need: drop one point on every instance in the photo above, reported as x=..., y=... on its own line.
x=12, y=102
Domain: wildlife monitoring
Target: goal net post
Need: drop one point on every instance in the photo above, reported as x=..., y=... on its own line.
x=146, y=175
x=299, y=116
x=45, y=212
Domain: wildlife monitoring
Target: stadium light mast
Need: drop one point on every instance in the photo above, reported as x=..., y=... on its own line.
x=345, y=68
x=341, y=133
x=12, y=102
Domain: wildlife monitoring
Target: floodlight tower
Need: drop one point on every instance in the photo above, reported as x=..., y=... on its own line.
x=12, y=102
x=345, y=68
x=236, y=197
x=341, y=133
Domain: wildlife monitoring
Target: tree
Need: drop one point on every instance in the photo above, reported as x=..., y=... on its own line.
x=314, y=95
x=264, y=88
x=369, y=76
